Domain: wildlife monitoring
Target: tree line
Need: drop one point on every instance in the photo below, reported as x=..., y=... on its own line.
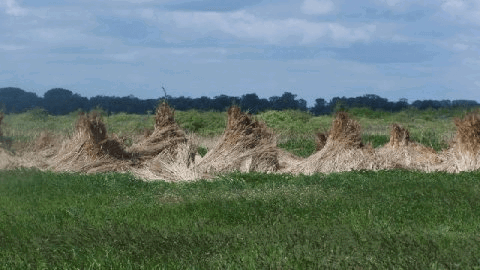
x=59, y=101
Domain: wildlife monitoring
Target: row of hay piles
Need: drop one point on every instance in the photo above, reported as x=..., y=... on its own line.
x=342, y=150
x=401, y=152
x=464, y=151
x=91, y=150
x=246, y=145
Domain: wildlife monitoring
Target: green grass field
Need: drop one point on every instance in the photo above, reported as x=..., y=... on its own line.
x=355, y=220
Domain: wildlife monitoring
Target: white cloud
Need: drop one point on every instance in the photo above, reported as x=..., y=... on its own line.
x=460, y=46
x=453, y=5
x=463, y=11
x=317, y=7
x=244, y=25
x=12, y=8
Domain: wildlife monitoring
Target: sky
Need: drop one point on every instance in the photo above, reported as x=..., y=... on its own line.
x=413, y=49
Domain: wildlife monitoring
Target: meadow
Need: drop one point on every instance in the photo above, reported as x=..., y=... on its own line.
x=395, y=219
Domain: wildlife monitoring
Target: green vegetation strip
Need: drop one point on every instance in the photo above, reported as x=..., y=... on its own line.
x=356, y=220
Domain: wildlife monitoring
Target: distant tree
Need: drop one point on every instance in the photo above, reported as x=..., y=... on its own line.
x=320, y=107
x=59, y=101
x=17, y=100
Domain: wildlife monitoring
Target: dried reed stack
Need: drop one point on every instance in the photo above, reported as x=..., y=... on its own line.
x=401, y=152
x=464, y=151
x=166, y=153
x=343, y=150
x=90, y=149
x=165, y=138
x=246, y=145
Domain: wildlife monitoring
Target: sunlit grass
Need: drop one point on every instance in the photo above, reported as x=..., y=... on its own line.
x=383, y=220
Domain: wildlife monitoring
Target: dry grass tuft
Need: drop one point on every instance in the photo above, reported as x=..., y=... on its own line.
x=468, y=133
x=401, y=152
x=346, y=131
x=343, y=150
x=165, y=138
x=399, y=136
x=464, y=151
x=90, y=149
x=246, y=145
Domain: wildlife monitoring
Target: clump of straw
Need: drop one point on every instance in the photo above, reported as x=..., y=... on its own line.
x=165, y=138
x=341, y=150
x=402, y=152
x=91, y=150
x=464, y=151
x=246, y=145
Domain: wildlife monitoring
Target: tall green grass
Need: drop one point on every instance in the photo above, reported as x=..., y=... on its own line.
x=355, y=220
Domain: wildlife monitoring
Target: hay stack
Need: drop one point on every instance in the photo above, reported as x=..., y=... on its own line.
x=172, y=167
x=464, y=151
x=343, y=150
x=401, y=152
x=90, y=150
x=165, y=153
x=246, y=145
x=165, y=138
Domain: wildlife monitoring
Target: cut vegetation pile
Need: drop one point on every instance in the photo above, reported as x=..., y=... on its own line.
x=165, y=138
x=246, y=145
x=401, y=152
x=342, y=150
x=166, y=153
x=91, y=150
x=464, y=151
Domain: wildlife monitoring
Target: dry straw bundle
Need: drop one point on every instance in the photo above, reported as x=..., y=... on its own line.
x=165, y=138
x=90, y=149
x=464, y=151
x=166, y=153
x=342, y=151
x=246, y=145
x=401, y=152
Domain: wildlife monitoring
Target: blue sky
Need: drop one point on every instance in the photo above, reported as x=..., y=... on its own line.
x=414, y=49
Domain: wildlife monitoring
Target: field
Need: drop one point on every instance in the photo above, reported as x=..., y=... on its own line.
x=394, y=219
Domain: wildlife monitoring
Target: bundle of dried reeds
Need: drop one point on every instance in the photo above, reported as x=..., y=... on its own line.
x=342, y=151
x=90, y=149
x=401, y=152
x=165, y=138
x=464, y=151
x=246, y=145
